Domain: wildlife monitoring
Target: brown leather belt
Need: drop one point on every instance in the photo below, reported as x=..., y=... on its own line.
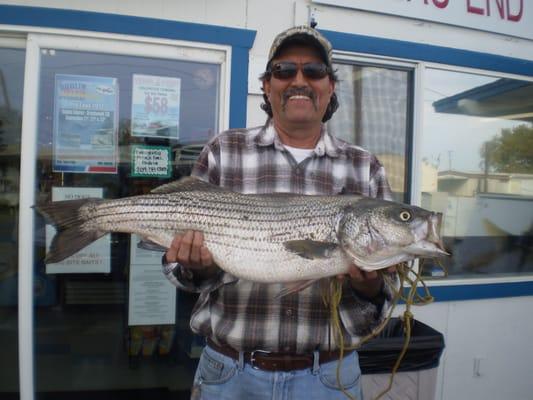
x=270, y=361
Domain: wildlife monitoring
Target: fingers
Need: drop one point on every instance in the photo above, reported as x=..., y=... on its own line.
x=172, y=252
x=189, y=250
x=206, y=257
x=192, y=242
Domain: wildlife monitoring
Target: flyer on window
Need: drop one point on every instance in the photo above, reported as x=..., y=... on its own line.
x=151, y=161
x=85, y=124
x=95, y=258
x=155, y=108
x=152, y=298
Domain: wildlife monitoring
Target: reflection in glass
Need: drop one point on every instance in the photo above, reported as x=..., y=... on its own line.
x=373, y=113
x=11, y=89
x=477, y=168
x=85, y=338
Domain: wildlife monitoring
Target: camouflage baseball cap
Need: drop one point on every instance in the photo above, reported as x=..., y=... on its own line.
x=301, y=35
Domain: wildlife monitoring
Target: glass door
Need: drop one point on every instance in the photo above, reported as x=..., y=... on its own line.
x=115, y=119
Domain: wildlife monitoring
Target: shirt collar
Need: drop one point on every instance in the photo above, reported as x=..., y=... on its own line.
x=327, y=144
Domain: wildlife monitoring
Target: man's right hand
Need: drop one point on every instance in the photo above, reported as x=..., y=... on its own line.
x=189, y=251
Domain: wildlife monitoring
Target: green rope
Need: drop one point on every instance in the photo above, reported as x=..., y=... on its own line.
x=333, y=297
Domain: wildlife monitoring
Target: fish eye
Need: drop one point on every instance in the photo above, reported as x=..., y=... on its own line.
x=405, y=216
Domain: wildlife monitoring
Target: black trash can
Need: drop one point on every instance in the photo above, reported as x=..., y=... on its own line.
x=417, y=375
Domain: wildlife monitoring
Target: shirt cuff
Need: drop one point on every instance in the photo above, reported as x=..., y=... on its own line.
x=184, y=278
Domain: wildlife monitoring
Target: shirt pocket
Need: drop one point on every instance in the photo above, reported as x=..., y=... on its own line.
x=214, y=368
x=350, y=373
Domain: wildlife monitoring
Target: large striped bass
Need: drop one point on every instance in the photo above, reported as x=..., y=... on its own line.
x=262, y=238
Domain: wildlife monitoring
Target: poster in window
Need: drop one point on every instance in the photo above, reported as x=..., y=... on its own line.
x=94, y=258
x=152, y=298
x=155, y=108
x=85, y=124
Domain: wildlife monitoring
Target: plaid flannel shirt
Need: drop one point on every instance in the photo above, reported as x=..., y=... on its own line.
x=246, y=315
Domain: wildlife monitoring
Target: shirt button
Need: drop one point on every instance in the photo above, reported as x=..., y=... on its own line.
x=288, y=313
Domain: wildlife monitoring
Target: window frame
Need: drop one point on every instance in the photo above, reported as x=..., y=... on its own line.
x=411, y=68
x=36, y=42
x=418, y=58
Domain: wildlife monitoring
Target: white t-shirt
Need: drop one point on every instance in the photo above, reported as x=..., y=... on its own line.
x=298, y=153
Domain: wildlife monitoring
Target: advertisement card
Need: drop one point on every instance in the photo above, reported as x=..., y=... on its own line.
x=85, y=124
x=155, y=108
x=152, y=298
x=150, y=161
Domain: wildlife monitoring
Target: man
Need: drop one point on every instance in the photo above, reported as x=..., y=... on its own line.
x=260, y=346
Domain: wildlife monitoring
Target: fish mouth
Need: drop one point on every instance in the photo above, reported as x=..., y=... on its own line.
x=432, y=244
x=427, y=248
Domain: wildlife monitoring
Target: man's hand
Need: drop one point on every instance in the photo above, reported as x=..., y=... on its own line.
x=189, y=251
x=368, y=283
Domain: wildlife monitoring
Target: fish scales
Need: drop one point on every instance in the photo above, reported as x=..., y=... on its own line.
x=263, y=238
x=257, y=241
x=179, y=217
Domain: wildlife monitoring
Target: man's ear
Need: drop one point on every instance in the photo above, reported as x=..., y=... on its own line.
x=332, y=86
x=266, y=88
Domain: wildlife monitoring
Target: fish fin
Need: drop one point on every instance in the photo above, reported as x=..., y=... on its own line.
x=187, y=184
x=310, y=249
x=70, y=237
x=294, y=287
x=147, y=244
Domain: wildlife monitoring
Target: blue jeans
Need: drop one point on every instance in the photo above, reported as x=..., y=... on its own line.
x=219, y=377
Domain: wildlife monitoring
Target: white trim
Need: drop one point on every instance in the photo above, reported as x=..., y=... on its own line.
x=476, y=281
x=23, y=30
x=223, y=99
x=372, y=59
x=477, y=71
x=26, y=218
x=12, y=42
x=418, y=125
x=172, y=50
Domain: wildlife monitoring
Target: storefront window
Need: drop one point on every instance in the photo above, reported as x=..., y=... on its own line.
x=477, y=168
x=113, y=126
x=11, y=89
x=374, y=114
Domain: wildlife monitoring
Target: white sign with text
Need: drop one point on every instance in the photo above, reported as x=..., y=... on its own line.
x=95, y=258
x=152, y=298
x=509, y=17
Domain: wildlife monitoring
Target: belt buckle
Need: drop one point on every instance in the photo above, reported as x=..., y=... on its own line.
x=252, y=357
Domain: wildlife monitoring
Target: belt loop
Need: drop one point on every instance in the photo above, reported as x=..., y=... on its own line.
x=316, y=362
x=240, y=363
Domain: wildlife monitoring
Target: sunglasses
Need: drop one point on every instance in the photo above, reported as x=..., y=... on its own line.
x=288, y=70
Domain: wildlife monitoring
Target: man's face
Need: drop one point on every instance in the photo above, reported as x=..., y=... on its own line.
x=298, y=101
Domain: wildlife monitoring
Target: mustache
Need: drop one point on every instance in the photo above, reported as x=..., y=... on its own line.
x=296, y=91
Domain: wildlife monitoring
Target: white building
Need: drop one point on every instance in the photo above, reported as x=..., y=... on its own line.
x=423, y=84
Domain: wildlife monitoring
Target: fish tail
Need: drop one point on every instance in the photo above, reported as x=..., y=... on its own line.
x=71, y=235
